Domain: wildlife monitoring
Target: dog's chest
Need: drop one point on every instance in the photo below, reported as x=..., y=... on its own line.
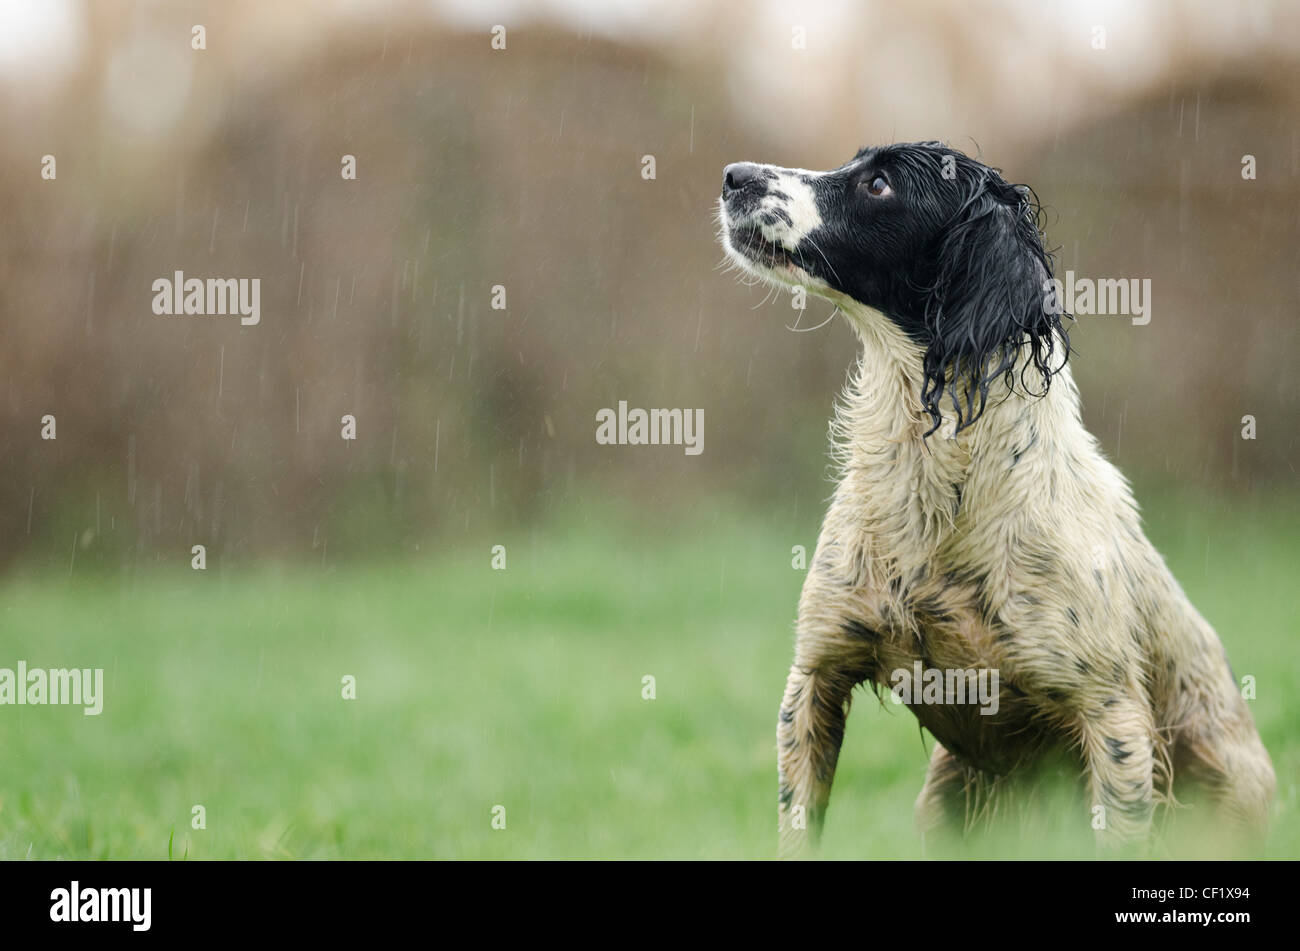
x=914, y=548
x=939, y=657
x=933, y=642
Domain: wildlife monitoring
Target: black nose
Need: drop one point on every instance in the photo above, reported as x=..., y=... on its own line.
x=737, y=176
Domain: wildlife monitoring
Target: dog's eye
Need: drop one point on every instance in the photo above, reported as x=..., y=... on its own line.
x=877, y=187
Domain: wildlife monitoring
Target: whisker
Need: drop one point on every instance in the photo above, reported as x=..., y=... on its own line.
x=824, y=257
x=807, y=330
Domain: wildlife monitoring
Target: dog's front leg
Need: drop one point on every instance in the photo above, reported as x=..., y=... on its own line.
x=1118, y=742
x=810, y=728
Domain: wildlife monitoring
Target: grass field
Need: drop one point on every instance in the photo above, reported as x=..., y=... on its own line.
x=520, y=688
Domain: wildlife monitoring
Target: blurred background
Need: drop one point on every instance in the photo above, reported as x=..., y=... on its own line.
x=523, y=167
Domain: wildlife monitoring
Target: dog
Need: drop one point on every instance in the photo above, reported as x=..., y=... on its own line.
x=976, y=525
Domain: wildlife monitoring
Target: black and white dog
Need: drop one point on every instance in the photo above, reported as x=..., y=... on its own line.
x=976, y=526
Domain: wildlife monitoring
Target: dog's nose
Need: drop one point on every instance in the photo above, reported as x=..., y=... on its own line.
x=737, y=176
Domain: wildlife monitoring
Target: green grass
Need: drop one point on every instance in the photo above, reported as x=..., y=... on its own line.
x=519, y=688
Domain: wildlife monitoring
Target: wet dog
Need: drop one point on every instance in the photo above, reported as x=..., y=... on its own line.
x=976, y=525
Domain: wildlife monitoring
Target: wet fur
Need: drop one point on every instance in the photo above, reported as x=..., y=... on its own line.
x=987, y=530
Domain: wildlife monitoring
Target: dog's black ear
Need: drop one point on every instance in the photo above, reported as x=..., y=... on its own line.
x=989, y=300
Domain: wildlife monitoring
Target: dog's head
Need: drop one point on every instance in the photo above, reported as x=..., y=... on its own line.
x=939, y=243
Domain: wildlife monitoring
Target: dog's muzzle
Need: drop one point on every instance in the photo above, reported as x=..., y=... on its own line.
x=761, y=210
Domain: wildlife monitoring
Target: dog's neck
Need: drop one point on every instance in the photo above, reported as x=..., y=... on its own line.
x=901, y=483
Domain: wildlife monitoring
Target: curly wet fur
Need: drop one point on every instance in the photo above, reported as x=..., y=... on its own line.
x=994, y=535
